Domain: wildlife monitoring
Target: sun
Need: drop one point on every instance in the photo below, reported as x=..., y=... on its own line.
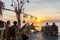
x=38, y=19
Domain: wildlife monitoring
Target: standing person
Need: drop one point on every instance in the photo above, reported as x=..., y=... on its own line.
x=2, y=29
x=8, y=24
x=54, y=29
x=47, y=24
x=26, y=31
x=14, y=31
x=47, y=29
x=32, y=26
x=7, y=30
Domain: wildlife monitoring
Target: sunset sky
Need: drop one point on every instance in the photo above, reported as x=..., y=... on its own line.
x=39, y=8
x=43, y=9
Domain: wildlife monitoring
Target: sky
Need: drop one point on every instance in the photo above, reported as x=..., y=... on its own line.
x=38, y=8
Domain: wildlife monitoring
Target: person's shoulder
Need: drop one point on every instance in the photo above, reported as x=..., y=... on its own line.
x=11, y=26
x=46, y=25
x=56, y=25
x=16, y=26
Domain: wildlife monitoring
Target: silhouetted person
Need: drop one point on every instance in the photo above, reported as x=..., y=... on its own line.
x=54, y=29
x=2, y=28
x=42, y=29
x=14, y=31
x=47, y=29
x=8, y=24
x=1, y=23
x=23, y=27
x=47, y=25
x=7, y=30
x=24, y=37
x=32, y=26
x=26, y=31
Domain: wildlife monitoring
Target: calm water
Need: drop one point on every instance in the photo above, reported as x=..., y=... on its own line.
x=39, y=36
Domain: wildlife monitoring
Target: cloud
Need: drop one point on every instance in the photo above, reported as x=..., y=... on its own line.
x=42, y=7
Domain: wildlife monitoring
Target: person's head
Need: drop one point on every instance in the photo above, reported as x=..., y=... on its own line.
x=53, y=23
x=47, y=23
x=15, y=22
x=8, y=22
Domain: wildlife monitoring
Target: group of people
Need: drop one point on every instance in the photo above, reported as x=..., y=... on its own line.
x=12, y=32
x=50, y=29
